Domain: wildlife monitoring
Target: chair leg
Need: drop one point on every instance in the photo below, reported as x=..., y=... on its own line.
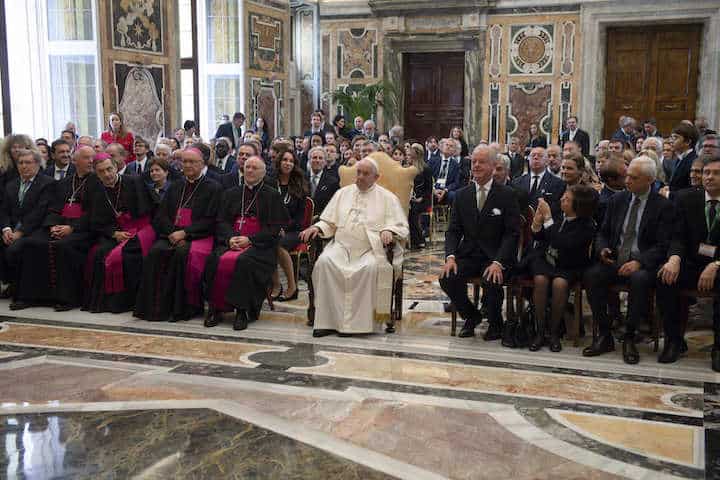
x=575, y=331
x=656, y=326
x=476, y=294
x=453, y=320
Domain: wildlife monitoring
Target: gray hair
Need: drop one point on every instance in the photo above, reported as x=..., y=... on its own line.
x=259, y=160
x=368, y=122
x=163, y=147
x=647, y=165
x=318, y=149
x=501, y=157
x=492, y=153
x=657, y=144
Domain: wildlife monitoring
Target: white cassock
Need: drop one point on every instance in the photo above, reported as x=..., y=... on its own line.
x=352, y=277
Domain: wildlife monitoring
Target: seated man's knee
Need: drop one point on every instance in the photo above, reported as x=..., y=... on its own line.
x=641, y=278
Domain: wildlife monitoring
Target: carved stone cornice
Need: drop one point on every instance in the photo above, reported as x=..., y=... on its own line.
x=384, y=8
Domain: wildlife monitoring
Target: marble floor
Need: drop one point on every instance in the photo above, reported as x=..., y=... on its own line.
x=106, y=396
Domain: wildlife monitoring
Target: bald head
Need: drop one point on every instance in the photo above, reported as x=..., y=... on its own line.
x=254, y=170
x=83, y=160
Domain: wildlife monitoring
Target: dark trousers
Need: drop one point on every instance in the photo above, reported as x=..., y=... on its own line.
x=416, y=232
x=10, y=256
x=455, y=286
x=671, y=307
x=598, y=280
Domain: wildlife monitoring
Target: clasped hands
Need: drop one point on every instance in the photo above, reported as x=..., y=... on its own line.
x=236, y=243
x=626, y=269
x=9, y=237
x=60, y=231
x=177, y=238
x=386, y=236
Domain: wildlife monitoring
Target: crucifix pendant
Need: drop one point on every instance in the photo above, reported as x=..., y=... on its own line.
x=71, y=201
x=240, y=224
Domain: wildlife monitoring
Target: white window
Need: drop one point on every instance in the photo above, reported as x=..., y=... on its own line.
x=221, y=62
x=53, y=53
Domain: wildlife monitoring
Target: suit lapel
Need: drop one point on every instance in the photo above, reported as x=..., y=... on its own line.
x=650, y=207
x=622, y=213
x=488, y=201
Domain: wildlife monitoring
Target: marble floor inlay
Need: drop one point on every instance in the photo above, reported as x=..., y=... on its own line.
x=108, y=396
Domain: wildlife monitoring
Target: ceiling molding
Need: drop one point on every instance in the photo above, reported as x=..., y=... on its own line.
x=384, y=8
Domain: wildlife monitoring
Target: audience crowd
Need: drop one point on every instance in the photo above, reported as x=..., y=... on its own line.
x=120, y=223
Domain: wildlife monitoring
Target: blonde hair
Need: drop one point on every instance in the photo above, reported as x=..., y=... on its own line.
x=6, y=161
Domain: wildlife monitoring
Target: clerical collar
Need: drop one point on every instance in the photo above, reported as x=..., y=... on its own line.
x=252, y=186
x=193, y=180
x=115, y=184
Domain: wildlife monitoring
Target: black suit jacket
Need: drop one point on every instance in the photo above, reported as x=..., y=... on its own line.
x=654, y=233
x=680, y=178
x=226, y=130
x=30, y=215
x=581, y=138
x=326, y=188
x=518, y=164
x=230, y=162
x=50, y=171
x=491, y=234
x=690, y=229
x=551, y=189
x=572, y=243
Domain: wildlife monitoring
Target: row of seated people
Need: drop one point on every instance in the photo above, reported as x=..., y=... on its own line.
x=97, y=240
x=644, y=240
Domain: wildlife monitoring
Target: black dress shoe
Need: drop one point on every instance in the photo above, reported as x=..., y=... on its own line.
x=494, y=332
x=630, y=352
x=213, y=318
x=555, y=345
x=447, y=307
x=600, y=345
x=279, y=294
x=671, y=352
x=19, y=305
x=468, y=329
x=537, y=343
x=345, y=335
x=7, y=293
x=63, y=307
x=715, y=357
x=322, y=333
x=508, y=337
x=241, y=320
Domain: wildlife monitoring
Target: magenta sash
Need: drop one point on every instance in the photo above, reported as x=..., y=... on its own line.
x=226, y=264
x=200, y=250
x=72, y=211
x=140, y=228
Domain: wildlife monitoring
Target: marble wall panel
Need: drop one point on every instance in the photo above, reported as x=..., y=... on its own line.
x=266, y=97
x=357, y=53
x=528, y=103
x=266, y=43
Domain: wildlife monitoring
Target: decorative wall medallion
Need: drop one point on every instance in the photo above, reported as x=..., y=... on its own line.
x=266, y=43
x=137, y=25
x=531, y=49
x=139, y=91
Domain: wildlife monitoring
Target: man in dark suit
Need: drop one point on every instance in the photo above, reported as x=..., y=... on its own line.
x=224, y=161
x=232, y=130
x=60, y=152
x=234, y=177
x=22, y=210
x=316, y=127
x=694, y=259
x=445, y=172
x=631, y=245
x=574, y=134
x=518, y=163
x=141, y=165
x=626, y=132
x=481, y=240
x=541, y=183
x=323, y=183
x=358, y=130
x=432, y=150
x=501, y=176
x=684, y=138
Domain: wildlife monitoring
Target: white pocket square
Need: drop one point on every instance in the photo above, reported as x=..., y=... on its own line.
x=496, y=211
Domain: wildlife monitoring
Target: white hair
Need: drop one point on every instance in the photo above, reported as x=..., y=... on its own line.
x=501, y=157
x=318, y=149
x=647, y=165
x=368, y=122
x=654, y=140
x=163, y=147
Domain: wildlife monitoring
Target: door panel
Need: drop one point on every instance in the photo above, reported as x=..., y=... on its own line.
x=435, y=93
x=652, y=73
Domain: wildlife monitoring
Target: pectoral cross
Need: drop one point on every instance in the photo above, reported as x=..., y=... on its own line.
x=71, y=201
x=177, y=217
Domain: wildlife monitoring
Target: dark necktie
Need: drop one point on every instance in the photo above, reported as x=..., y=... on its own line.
x=630, y=233
x=61, y=173
x=535, y=184
x=712, y=213
x=443, y=169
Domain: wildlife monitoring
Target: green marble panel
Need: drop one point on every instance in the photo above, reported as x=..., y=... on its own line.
x=177, y=444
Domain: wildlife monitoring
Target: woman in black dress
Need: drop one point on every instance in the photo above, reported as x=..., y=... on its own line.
x=421, y=194
x=562, y=256
x=294, y=190
x=458, y=135
x=535, y=140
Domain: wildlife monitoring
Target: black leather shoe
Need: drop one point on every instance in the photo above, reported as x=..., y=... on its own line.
x=600, y=345
x=537, y=343
x=283, y=298
x=241, y=320
x=345, y=335
x=19, y=305
x=630, y=353
x=555, y=344
x=63, y=307
x=213, y=318
x=468, y=330
x=322, y=333
x=494, y=332
x=670, y=353
x=715, y=356
x=508, y=337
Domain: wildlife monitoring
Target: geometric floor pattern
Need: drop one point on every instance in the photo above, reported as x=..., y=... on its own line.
x=108, y=396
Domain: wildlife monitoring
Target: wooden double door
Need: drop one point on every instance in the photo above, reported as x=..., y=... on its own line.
x=434, y=93
x=652, y=72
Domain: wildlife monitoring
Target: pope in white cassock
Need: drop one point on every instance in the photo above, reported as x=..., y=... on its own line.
x=352, y=277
